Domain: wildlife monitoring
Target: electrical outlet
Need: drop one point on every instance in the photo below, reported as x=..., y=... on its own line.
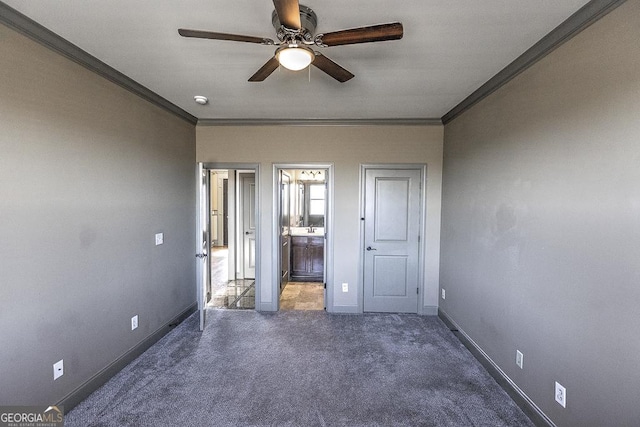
x=134, y=322
x=444, y=294
x=519, y=358
x=345, y=287
x=58, y=369
x=561, y=395
x=159, y=238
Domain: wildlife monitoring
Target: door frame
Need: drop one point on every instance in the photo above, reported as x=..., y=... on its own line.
x=249, y=167
x=422, y=246
x=328, y=230
x=244, y=250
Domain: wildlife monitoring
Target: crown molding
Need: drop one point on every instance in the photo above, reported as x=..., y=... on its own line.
x=30, y=28
x=585, y=16
x=320, y=122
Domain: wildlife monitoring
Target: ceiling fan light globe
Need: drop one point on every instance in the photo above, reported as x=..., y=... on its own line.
x=294, y=57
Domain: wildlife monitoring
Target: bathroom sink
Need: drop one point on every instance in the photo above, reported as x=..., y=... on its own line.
x=304, y=231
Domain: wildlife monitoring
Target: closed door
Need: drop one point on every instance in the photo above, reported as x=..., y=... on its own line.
x=391, y=244
x=249, y=225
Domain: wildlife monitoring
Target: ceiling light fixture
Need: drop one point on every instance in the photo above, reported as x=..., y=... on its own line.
x=295, y=57
x=311, y=175
x=202, y=100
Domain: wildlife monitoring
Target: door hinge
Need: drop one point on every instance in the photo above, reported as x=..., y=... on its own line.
x=325, y=286
x=418, y=238
x=418, y=291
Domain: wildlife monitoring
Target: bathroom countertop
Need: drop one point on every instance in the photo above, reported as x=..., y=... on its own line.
x=304, y=231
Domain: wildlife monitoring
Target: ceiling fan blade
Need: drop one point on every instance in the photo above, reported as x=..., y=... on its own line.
x=223, y=36
x=373, y=33
x=265, y=71
x=289, y=13
x=331, y=68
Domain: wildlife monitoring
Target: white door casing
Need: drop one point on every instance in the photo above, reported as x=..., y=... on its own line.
x=392, y=206
x=248, y=224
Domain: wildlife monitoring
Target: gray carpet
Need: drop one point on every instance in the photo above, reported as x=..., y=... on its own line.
x=302, y=368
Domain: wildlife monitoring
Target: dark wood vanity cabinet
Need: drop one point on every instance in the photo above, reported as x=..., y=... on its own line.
x=307, y=258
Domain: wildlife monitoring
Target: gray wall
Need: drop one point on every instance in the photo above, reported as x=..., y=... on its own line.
x=541, y=225
x=346, y=147
x=88, y=174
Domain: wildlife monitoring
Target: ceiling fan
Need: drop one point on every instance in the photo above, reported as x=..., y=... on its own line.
x=295, y=25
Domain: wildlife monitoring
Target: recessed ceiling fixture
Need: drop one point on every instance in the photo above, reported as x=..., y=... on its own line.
x=297, y=40
x=202, y=100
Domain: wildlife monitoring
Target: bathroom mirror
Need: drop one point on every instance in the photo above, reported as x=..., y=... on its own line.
x=313, y=209
x=309, y=206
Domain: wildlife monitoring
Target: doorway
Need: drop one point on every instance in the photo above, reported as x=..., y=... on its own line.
x=247, y=225
x=219, y=225
x=228, y=203
x=302, y=195
x=392, y=228
x=233, y=263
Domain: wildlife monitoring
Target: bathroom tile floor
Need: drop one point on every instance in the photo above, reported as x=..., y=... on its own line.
x=302, y=296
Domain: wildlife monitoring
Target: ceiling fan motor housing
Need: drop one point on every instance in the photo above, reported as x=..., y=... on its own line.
x=308, y=24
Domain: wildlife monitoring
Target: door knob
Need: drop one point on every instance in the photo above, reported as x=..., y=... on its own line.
x=369, y=248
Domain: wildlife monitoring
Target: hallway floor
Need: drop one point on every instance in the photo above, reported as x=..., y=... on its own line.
x=236, y=294
x=225, y=293
x=241, y=293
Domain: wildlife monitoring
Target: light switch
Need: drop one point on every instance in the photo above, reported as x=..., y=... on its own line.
x=159, y=238
x=134, y=322
x=58, y=369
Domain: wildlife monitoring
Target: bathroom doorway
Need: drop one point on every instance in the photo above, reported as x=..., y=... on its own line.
x=302, y=198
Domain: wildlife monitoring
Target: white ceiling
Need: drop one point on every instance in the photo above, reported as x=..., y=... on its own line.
x=449, y=49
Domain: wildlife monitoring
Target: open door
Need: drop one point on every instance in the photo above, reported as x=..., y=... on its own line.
x=285, y=225
x=202, y=239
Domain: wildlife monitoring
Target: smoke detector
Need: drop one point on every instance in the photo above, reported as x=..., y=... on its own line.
x=202, y=100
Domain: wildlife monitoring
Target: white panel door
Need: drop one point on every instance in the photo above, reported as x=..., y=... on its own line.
x=202, y=240
x=391, y=244
x=249, y=225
